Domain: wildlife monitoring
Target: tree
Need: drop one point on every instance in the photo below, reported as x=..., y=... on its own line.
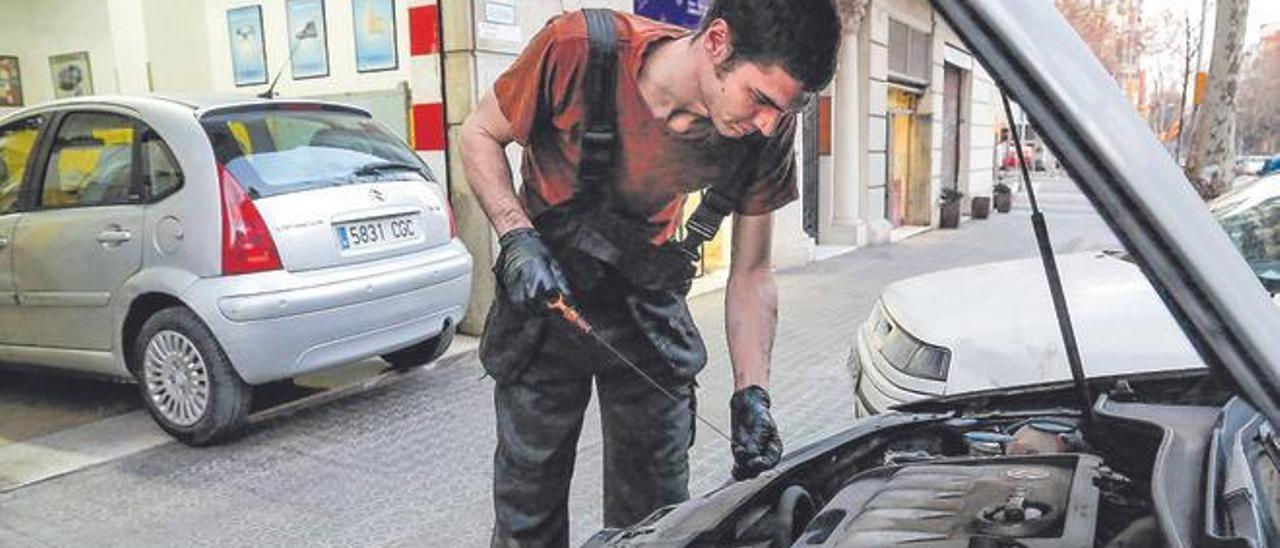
x=1259, y=129
x=1210, y=162
x=1097, y=28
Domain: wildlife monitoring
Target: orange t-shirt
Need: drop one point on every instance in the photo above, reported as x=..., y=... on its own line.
x=541, y=95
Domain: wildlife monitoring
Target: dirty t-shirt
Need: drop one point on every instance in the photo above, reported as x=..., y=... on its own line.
x=542, y=96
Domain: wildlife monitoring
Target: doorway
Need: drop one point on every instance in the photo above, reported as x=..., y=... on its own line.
x=952, y=125
x=907, y=196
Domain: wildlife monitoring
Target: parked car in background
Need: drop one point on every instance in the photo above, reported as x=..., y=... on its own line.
x=1251, y=165
x=1177, y=459
x=201, y=247
x=992, y=325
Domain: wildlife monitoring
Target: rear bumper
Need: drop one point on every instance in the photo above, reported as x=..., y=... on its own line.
x=276, y=325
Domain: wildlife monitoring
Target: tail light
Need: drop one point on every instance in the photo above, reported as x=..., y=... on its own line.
x=246, y=243
x=448, y=210
x=453, y=221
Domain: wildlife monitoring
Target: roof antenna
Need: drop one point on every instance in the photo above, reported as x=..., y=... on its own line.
x=1051, y=271
x=308, y=31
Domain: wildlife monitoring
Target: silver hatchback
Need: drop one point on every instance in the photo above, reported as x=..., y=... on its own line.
x=203, y=247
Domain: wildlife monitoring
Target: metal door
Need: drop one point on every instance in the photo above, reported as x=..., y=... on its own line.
x=951, y=127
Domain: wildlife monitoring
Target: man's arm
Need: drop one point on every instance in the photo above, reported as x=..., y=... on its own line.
x=485, y=136
x=751, y=301
x=525, y=268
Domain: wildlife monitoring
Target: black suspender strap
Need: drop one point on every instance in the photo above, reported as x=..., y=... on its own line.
x=599, y=139
x=706, y=219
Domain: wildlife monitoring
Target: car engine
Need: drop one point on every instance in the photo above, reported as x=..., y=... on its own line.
x=1040, y=500
x=1007, y=481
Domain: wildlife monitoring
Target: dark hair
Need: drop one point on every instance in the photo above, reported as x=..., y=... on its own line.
x=801, y=36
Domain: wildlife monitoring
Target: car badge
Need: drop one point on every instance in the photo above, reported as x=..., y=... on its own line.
x=377, y=195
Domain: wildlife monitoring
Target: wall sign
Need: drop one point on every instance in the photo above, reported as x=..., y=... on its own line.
x=71, y=75
x=308, y=39
x=685, y=13
x=10, y=82
x=502, y=12
x=375, y=30
x=248, y=53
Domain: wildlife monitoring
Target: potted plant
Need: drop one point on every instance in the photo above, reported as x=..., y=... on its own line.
x=950, y=217
x=980, y=207
x=1003, y=197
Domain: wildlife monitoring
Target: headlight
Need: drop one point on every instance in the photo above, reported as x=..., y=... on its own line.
x=907, y=354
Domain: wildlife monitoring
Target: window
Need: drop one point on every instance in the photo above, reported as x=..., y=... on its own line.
x=277, y=151
x=91, y=162
x=909, y=54
x=160, y=172
x=16, y=142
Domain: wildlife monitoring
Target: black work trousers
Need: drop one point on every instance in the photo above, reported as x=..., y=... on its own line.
x=540, y=410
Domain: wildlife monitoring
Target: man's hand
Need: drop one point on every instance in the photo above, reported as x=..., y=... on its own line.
x=756, y=446
x=527, y=271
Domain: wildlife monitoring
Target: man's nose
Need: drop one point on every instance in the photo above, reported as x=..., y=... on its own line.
x=766, y=121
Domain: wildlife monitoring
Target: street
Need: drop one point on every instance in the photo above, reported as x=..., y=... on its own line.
x=409, y=463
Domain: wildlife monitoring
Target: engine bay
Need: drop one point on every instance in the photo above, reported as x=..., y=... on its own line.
x=1002, y=481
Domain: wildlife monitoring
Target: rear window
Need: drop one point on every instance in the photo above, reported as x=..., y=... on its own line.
x=276, y=151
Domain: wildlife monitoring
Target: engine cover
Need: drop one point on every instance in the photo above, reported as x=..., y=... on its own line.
x=1044, y=500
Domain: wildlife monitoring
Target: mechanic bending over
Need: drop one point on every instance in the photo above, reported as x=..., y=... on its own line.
x=618, y=124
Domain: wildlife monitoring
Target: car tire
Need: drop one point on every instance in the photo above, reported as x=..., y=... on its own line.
x=186, y=380
x=422, y=353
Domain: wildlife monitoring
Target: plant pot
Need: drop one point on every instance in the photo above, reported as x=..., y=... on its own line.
x=1004, y=202
x=950, y=217
x=981, y=207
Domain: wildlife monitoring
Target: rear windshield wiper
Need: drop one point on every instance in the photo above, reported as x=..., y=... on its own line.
x=378, y=168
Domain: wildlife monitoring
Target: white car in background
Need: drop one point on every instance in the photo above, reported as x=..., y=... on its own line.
x=992, y=325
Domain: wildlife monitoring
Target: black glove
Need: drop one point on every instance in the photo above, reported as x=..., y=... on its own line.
x=756, y=446
x=527, y=271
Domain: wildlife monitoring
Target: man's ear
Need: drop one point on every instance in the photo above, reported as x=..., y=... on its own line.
x=718, y=42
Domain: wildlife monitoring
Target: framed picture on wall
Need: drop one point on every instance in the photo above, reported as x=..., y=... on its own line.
x=375, y=34
x=248, y=53
x=71, y=75
x=308, y=39
x=10, y=82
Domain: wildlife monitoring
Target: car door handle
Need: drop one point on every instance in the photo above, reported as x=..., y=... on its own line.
x=114, y=236
x=4, y=242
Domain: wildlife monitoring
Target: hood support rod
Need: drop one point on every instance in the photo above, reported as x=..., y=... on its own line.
x=1052, y=273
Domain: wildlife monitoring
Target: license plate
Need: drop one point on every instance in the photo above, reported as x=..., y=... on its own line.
x=374, y=233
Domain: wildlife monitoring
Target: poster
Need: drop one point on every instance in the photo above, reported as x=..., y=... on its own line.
x=308, y=39
x=685, y=13
x=71, y=75
x=375, y=33
x=10, y=82
x=248, y=56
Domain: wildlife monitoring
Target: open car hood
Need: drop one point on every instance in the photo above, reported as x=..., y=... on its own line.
x=1135, y=185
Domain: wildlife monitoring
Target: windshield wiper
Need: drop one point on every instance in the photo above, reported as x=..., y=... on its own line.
x=378, y=168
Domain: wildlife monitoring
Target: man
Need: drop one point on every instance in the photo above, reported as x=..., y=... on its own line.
x=692, y=110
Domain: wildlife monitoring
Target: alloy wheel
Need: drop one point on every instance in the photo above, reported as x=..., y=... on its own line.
x=176, y=378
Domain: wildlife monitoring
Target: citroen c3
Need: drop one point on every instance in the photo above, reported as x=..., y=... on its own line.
x=202, y=247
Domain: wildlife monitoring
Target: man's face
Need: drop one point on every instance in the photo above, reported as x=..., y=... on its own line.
x=751, y=97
